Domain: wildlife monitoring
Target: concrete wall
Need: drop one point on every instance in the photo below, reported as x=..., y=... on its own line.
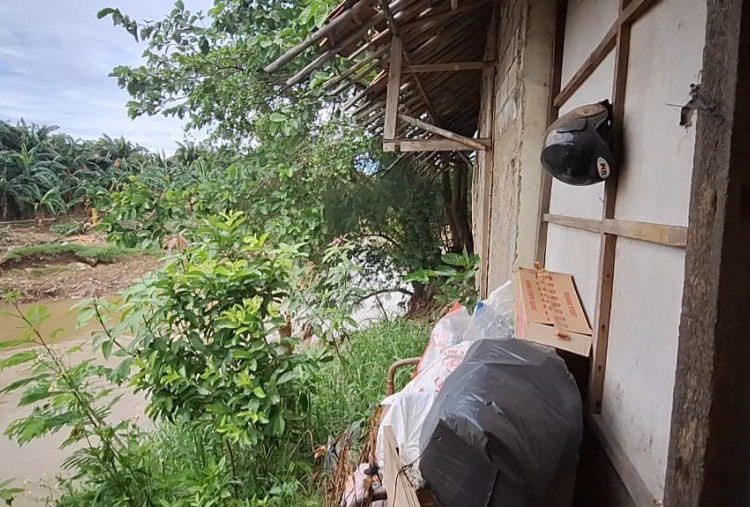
x=520, y=103
x=654, y=186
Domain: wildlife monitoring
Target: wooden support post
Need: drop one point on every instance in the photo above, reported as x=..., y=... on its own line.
x=394, y=89
x=467, y=141
x=486, y=159
x=709, y=448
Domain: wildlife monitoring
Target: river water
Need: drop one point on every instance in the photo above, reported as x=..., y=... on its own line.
x=35, y=465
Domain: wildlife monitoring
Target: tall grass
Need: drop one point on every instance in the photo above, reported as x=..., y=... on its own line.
x=351, y=387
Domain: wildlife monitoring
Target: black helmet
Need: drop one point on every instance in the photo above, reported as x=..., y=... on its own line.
x=576, y=148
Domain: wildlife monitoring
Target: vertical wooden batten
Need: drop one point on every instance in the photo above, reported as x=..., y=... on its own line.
x=556, y=80
x=602, y=311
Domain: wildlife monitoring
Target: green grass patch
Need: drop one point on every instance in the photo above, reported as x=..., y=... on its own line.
x=350, y=389
x=90, y=254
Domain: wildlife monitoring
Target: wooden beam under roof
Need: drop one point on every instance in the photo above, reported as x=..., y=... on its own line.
x=314, y=37
x=467, y=141
x=431, y=145
x=394, y=88
x=446, y=67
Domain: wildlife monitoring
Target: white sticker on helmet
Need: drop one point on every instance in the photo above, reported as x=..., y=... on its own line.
x=603, y=167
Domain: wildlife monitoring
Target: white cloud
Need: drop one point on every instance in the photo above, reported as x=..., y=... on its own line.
x=55, y=57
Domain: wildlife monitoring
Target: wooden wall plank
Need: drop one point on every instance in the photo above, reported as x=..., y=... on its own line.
x=668, y=235
x=602, y=311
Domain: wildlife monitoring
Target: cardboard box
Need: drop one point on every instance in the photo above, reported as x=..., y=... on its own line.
x=549, y=311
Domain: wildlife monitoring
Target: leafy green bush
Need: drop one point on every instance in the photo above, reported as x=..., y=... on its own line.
x=455, y=279
x=139, y=215
x=205, y=353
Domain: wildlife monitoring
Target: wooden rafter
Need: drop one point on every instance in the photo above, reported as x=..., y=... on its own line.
x=466, y=141
x=446, y=67
x=429, y=145
x=315, y=37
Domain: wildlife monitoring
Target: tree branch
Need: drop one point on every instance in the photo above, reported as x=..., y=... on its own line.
x=385, y=291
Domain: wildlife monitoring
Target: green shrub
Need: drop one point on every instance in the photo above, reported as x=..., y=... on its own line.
x=204, y=353
x=141, y=215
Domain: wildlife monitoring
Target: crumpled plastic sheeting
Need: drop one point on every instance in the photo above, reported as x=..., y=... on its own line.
x=504, y=430
x=406, y=414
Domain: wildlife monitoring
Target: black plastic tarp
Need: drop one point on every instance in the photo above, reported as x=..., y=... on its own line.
x=504, y=430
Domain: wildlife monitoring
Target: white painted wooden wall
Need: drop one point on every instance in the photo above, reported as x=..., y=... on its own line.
x=654, y=186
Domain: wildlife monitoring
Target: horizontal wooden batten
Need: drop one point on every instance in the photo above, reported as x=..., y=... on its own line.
x=428, y=145
x=668, y=235
x=446, y=67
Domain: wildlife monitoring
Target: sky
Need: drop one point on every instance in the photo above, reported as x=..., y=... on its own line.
x=55, y=57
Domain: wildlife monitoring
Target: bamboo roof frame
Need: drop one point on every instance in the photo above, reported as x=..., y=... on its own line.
x=433, y=104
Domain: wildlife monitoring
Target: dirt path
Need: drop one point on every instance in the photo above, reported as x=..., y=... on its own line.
x=76, y=279
x=64, y=276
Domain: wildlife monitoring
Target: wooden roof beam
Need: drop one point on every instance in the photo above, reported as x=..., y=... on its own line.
x=471, y=143
x=314, y=37
x=446, y=67
x=429, y=145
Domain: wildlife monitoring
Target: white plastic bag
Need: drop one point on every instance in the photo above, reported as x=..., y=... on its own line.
x=431, y=378
x=448, y=331
x=405, y=414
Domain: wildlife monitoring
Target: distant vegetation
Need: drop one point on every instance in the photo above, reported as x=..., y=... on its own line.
x=43, y=172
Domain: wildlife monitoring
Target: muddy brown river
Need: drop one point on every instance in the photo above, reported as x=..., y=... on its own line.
x=35, y=465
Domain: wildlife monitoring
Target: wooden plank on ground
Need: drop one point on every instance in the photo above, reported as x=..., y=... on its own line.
x=400, y=491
